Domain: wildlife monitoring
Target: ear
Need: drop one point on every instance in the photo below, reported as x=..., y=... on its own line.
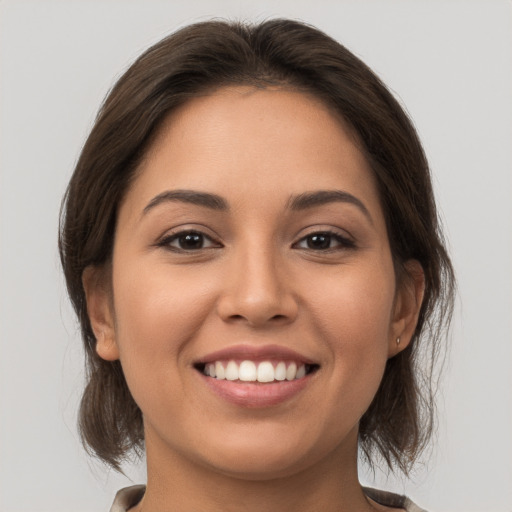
x=408, y=300
x=100, y=309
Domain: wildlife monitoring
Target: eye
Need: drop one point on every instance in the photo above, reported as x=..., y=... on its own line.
x=324, y=241
x=188, y=241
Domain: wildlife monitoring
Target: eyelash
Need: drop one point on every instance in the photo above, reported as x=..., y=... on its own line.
x=168, y=240
x=343, y=243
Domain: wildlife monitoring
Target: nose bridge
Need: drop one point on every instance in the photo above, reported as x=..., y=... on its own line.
x=256, y=288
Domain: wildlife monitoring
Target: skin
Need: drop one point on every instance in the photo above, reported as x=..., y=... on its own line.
x=256, y=281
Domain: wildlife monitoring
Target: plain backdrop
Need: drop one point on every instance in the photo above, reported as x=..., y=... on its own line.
x=449, y=62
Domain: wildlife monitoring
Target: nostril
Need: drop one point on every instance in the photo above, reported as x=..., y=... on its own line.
x=251, y=320
x=256, y=308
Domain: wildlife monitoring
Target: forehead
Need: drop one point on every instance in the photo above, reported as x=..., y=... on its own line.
x=244, y=142
x=255, y=116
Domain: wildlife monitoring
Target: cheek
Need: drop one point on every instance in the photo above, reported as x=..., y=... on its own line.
x=354, y=305
x=157, y=313
x=353, y=320
x=156, y=305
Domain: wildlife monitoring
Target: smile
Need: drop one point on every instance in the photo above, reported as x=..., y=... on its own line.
x=254, y=371
x=260, y=376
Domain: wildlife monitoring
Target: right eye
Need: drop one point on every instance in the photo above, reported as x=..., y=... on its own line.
x=188, y=241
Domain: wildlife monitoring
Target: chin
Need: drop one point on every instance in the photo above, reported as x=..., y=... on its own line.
x=264, y=455
x=257, y=466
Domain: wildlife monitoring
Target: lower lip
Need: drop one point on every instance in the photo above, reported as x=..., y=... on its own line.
x=254, y=394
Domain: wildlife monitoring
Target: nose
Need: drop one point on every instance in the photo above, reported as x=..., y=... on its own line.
x=257, y=291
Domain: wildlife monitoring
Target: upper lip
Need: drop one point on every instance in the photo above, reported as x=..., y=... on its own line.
x=255, y=353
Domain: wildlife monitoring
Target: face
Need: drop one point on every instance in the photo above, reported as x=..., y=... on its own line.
x=253, y=300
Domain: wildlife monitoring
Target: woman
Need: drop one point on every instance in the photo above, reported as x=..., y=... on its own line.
x=250, y=242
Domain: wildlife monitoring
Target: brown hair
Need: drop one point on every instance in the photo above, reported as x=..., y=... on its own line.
x=286, y=53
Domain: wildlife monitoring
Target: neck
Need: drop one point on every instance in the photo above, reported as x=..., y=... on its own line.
x=177, y=484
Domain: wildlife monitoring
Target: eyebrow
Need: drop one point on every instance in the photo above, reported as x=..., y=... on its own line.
x=322, y=197
x=299, y=202
x=205, y=199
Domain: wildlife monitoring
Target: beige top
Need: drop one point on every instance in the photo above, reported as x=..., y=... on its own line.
x=130, y=496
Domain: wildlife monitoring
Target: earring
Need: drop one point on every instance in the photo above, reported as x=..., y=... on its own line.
x=398, y=341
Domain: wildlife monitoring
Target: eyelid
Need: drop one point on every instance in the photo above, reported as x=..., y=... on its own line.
x=346, y=241
x=173, y=234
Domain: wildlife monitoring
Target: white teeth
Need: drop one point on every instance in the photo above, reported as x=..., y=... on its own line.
x=219, y=370
x=291, y=372
x=249, y=371
x=232, y=371
x=280, y=371
x=265, y=372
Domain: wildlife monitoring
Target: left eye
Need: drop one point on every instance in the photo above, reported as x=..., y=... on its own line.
x=188, y=241
x=324, y=241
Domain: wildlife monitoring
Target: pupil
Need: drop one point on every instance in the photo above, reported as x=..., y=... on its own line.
x=321, y=241
x=191, y=241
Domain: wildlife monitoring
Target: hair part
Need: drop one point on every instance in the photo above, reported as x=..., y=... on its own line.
x=195, y=61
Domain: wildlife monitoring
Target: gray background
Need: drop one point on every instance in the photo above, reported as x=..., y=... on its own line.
x=450, y=64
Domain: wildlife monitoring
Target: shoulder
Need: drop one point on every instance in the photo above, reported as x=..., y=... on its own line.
x=389, y=499
x=127, y=498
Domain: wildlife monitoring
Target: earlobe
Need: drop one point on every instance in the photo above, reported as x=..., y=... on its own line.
x=408, y=301
x=100, y=310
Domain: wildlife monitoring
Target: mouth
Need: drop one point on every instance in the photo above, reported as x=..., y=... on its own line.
x=256, y=376
x=263, y=372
